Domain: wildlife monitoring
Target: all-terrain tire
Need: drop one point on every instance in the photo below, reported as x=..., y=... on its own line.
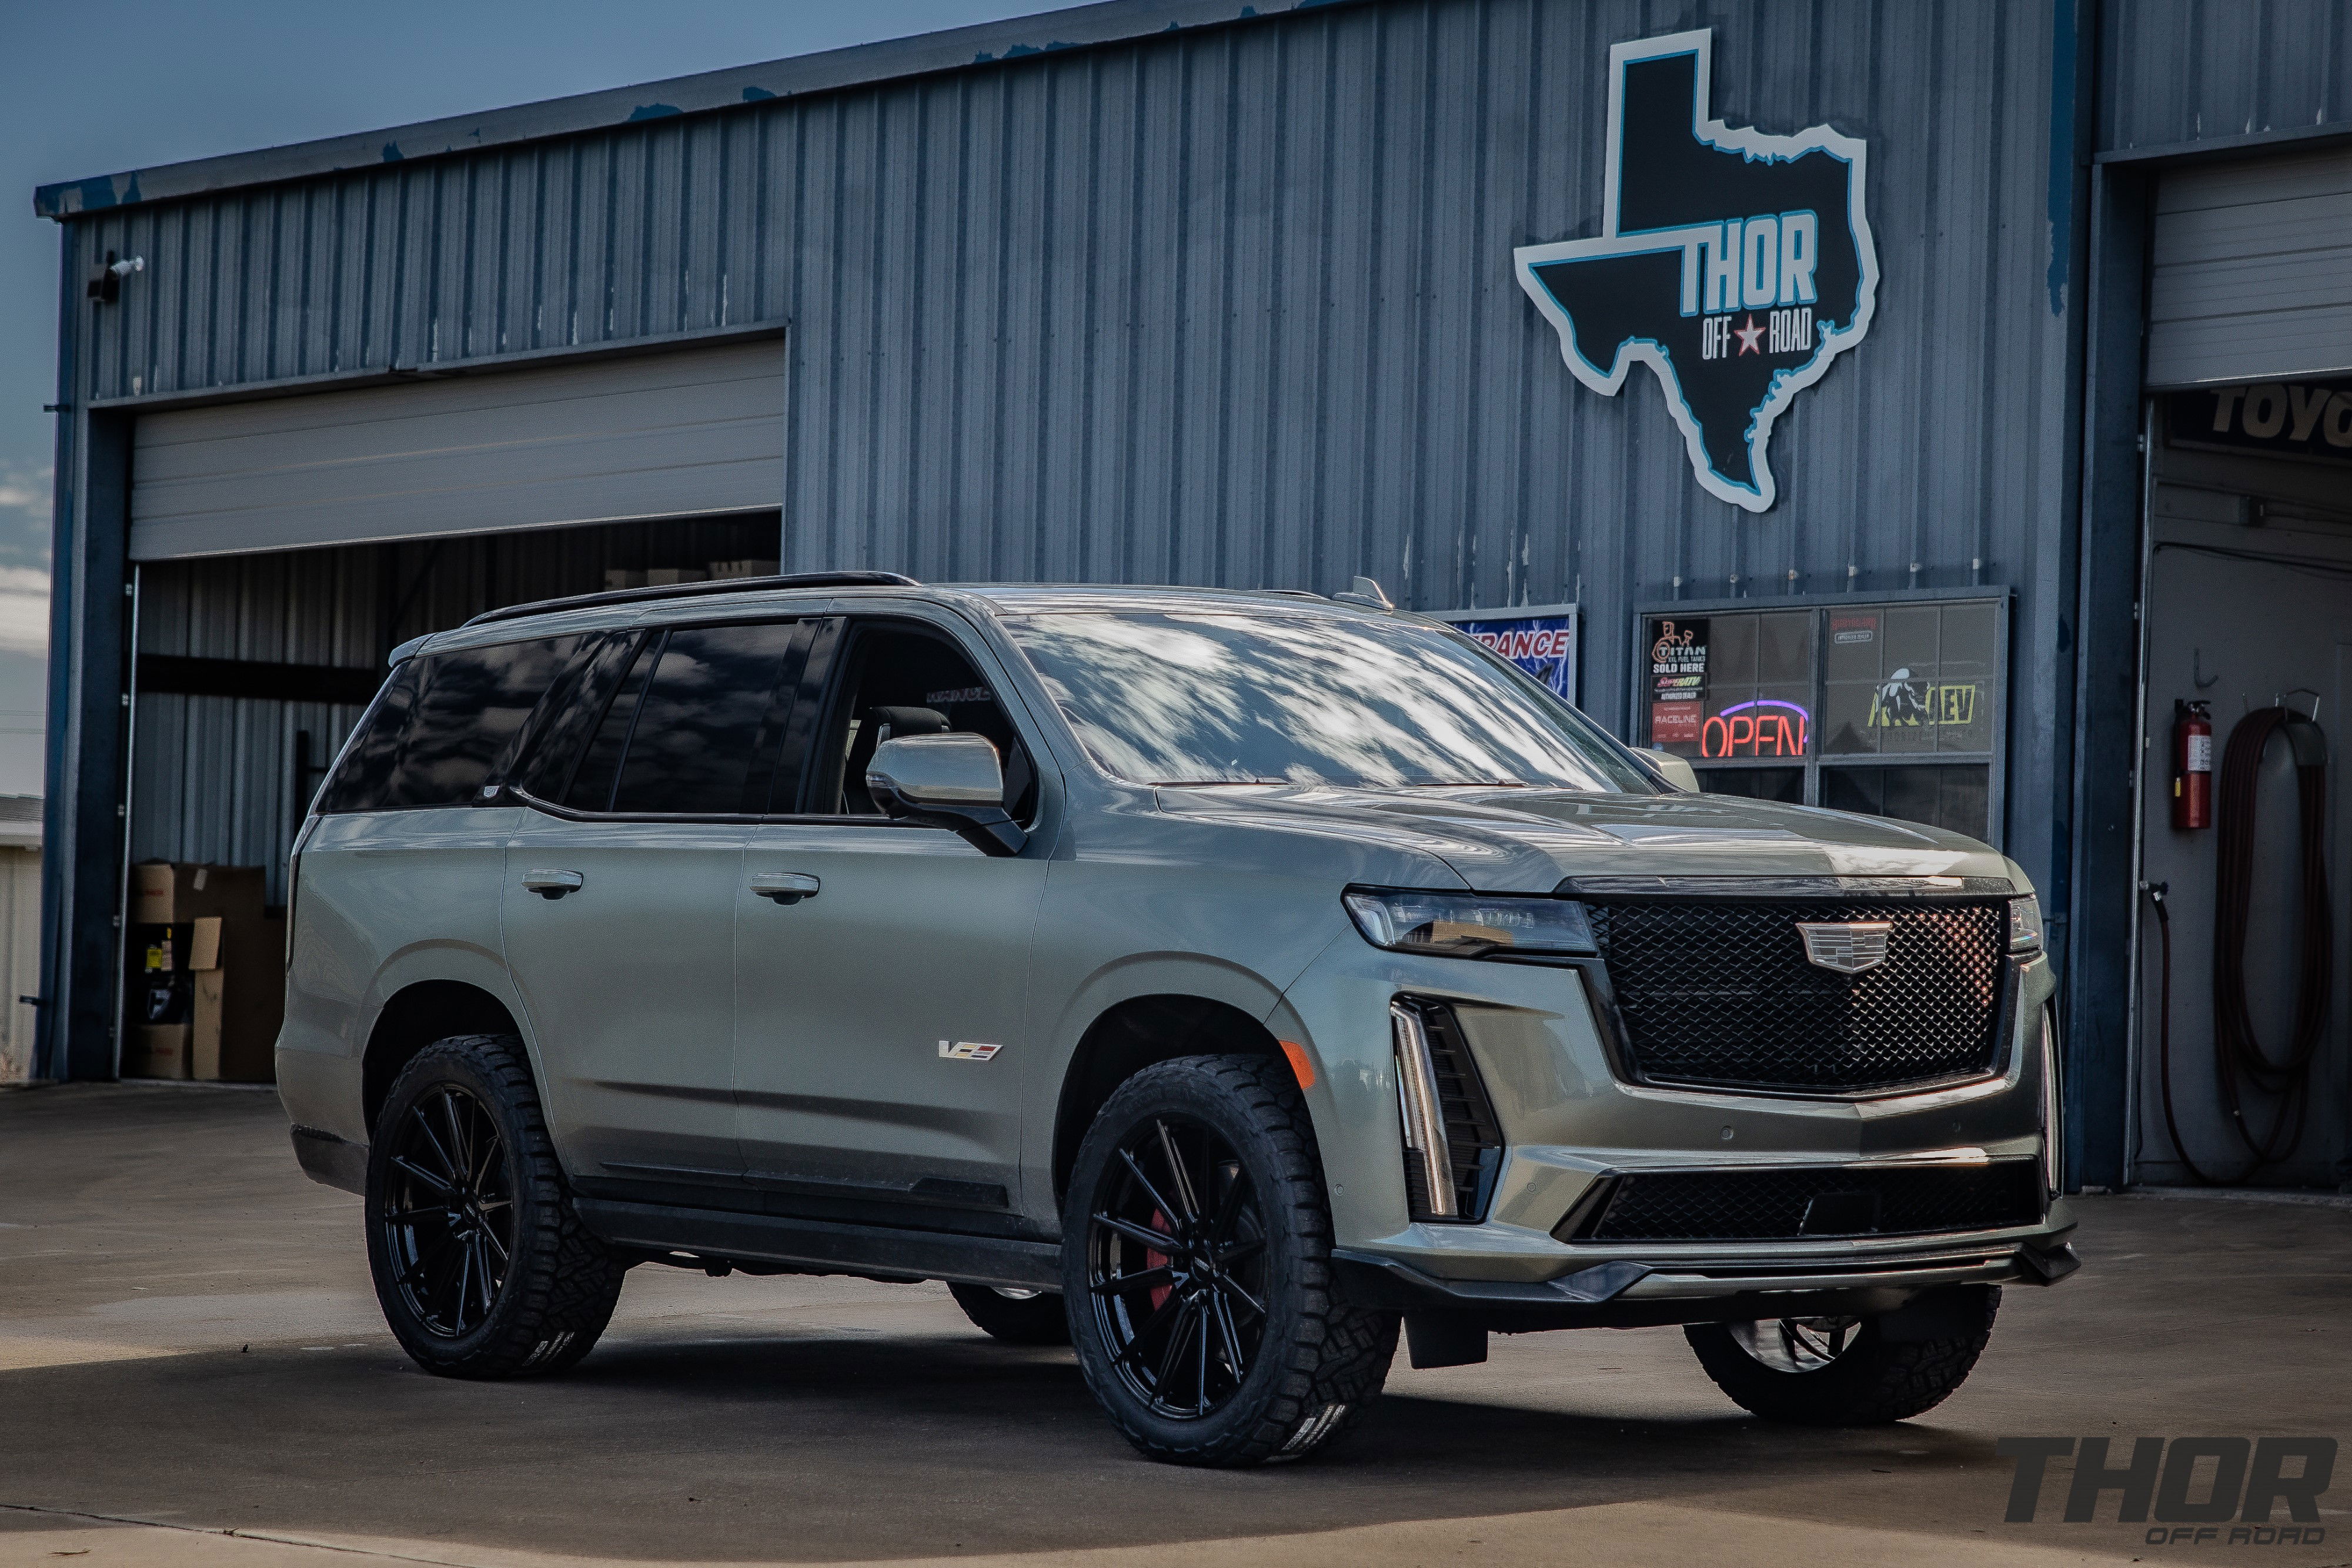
x=560, y=1283
x=1874, y=1382
x=1321, y=1360
x=1033, y=1317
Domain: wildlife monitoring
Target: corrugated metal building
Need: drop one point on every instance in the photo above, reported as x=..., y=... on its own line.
x=20, y=934
x=1172, y=291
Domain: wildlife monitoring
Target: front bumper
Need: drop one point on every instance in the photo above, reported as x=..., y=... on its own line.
x=1718, y=1285
x=1571, y=1122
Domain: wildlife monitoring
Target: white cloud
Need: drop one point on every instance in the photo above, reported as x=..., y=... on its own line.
x=27, y=490
x=24, y=532
x=24, y=490
x=24, y=610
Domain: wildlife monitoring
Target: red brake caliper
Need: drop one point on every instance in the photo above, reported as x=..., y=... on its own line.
x=1152, y=1260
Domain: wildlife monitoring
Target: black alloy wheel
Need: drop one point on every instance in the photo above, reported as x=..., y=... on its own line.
x=1176, y=1267
x=448, y=1217
x=1845, y=1371
x=1014, y=1315
x=482, y=1266
x=1209, y=1320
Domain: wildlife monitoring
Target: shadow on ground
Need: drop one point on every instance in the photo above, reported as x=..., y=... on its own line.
x=188, y=1338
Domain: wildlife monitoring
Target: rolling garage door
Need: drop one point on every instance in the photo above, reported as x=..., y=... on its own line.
x=2252, y=272
x=691, y=431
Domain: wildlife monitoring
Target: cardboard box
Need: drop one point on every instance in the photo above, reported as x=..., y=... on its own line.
x=239, y=1005
x=163, y=894
x=726, y=569
x=620, y=577
x=207, y=928
x=671, y=576
x=205, y=943
x=157, y=1051
x=205, y=1031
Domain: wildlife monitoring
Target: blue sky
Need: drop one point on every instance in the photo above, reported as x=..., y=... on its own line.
x=102, y=86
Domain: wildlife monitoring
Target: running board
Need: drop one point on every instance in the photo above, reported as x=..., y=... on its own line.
x=825, y=1245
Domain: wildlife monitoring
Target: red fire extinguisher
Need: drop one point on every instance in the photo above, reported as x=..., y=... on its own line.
x=2193, y=765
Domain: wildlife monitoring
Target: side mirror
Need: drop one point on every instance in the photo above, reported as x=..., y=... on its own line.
x=952, y=781
x=1677, y=770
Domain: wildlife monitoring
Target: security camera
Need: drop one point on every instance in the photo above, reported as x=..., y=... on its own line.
x=106, y=278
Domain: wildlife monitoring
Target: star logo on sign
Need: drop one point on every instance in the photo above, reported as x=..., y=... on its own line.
x=1749, y=336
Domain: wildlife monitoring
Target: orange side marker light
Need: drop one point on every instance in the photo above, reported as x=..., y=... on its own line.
x=1300, y=1062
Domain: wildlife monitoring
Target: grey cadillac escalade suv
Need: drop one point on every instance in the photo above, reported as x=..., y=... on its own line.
x=1213, y=980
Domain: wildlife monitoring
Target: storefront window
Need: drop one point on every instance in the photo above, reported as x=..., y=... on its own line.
x=1892, y=709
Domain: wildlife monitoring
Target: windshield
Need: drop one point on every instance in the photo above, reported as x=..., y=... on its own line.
x=1224, y=698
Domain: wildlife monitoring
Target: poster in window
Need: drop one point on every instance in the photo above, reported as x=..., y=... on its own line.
x=1678, y=683
x=1543, y=645
x=1913, y=678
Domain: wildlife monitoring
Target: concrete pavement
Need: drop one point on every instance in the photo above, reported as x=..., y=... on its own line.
x=193, y=1370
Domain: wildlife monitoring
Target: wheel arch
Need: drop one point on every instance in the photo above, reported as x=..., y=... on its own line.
x=415, y=1016
x=1137, y=1033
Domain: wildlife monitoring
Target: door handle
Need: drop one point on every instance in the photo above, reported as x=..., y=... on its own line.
x=551, y=883
x=786, y=886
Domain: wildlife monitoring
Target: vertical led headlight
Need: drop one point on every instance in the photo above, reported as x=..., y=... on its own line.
x=1424, y=1126
x=2053, y=1125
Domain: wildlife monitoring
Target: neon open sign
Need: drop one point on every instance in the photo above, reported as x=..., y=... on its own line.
x=1765, y=727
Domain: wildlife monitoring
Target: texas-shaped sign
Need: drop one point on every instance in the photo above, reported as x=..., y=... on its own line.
x=1735, y=265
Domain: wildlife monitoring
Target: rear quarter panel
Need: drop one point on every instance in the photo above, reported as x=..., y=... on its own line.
x=384, y=901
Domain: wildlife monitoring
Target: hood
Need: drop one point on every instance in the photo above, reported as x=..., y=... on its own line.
x=1528, y=840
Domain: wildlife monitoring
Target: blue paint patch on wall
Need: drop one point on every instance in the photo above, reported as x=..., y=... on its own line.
x=392, y=152
x=652, y=112
x=97, y=193
x=756, y=94
x=2062, y=154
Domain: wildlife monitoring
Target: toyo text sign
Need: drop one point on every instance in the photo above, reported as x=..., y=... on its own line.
x=1735, y=265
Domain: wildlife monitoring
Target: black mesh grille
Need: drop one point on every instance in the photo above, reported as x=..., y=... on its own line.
x=1719, y=992
x=1789, y=1205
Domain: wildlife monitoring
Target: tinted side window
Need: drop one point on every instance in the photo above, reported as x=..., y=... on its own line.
x=600, y=769
x=698, y=734
x=569, y=718
x=447, y=721
x=911, y=681
x=358, y=784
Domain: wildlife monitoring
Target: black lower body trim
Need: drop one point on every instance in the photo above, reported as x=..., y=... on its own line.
x=1589, y=1297
x=820, y=1246
x=330, y=1160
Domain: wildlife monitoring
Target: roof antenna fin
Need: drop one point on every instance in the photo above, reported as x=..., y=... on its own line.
x=1366, y=592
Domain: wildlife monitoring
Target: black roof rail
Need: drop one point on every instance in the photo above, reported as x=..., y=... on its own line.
x=696, y=589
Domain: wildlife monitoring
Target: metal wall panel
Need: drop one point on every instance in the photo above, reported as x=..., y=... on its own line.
x=20, y=955
x=2182, y=71
x=1237, y=307
x=2251, y=271
x=681, y=433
